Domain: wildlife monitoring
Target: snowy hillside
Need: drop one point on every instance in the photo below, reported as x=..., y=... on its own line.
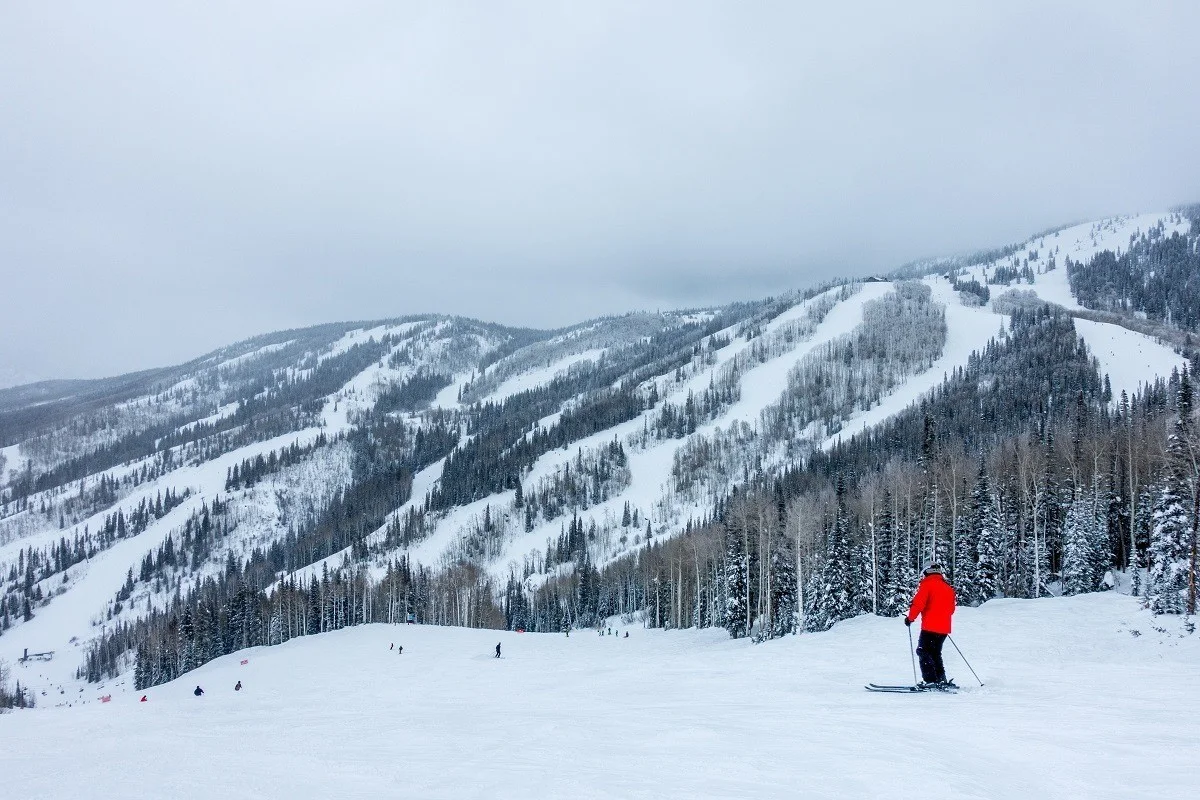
x=467, y=473
x=1128, y=357
x=1084, y=697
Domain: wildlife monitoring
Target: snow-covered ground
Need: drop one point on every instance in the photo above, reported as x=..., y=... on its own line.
x=532, y=379
x=1130, y=359
x=1084, y=697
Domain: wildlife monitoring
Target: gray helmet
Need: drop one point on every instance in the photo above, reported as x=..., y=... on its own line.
x=933, y=569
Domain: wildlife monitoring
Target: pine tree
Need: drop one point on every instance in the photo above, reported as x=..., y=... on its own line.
x=187, y=636
x=141, y=669
x=835, y=597
x=1171, y=538
x=984, y=537
x=885, y=542
x=964, y=569
x=1168, y=555
x=784, y=602
x=737, y=611
x=1079, y=544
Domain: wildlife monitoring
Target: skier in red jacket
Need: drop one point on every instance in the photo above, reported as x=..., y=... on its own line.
x=934, y=603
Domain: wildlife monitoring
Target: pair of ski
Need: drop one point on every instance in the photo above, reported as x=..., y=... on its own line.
x=875, y=687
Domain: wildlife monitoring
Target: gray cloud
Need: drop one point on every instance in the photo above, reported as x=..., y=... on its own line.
x=172, y=179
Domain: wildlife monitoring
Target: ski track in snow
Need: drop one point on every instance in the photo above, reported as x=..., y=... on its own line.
x=1075, y=706
x=253, y=354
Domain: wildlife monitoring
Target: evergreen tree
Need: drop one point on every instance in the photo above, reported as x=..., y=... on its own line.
x=835, y=597
x=885, y=562
x=1168, y=547
x=1172, y=537
x=784, y=600
x=1079, y=546
x=737, y=563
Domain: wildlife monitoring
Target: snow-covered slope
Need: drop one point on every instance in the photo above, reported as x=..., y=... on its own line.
x=320, y=391
x=1130, y=359
x=1084, y=697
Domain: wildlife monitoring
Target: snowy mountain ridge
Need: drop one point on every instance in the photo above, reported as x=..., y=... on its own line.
x=460, y=448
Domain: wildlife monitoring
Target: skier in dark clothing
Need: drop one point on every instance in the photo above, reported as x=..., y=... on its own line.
x=198, y=691
x=497, y=649
x=238, y=686
x=934, y=603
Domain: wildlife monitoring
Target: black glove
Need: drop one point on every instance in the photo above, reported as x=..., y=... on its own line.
x=907, y=622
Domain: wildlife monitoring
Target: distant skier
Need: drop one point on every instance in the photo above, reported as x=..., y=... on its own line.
x=497, y=649
x=400, y=650
x=143, y=699
x=934, y=603
x=237, y=687
x=198, y=691
x=626, y=634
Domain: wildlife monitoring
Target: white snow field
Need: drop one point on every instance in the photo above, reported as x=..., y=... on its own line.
x=1085, y=697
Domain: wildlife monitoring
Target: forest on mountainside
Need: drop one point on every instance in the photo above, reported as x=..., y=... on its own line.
x=1019, y=473
x=1157, y=276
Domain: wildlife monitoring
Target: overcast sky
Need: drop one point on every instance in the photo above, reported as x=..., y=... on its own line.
x=175, y=177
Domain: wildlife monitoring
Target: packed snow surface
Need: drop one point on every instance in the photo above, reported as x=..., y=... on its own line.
x=1130, y=359
x=1085, y=697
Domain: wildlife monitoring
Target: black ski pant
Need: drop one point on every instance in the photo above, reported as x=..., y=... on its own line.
x=929, y=653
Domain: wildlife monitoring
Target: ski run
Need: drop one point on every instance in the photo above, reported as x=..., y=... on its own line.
x=1085, y=697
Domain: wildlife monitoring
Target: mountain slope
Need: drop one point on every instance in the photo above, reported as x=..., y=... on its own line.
x=455, y=453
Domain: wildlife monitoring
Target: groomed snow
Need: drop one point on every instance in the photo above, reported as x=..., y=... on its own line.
x=1077, y=705
x=1130, y=359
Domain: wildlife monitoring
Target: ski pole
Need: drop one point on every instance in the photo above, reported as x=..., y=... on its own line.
x=964, y=658
x=912, y=654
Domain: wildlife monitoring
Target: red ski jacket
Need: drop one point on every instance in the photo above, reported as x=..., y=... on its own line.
x=934, y=603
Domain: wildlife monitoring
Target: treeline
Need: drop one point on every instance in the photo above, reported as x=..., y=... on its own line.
x=230, y=612
x=1003, y=275
x=252, y=470
x=979, y=291
x=414, y=393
